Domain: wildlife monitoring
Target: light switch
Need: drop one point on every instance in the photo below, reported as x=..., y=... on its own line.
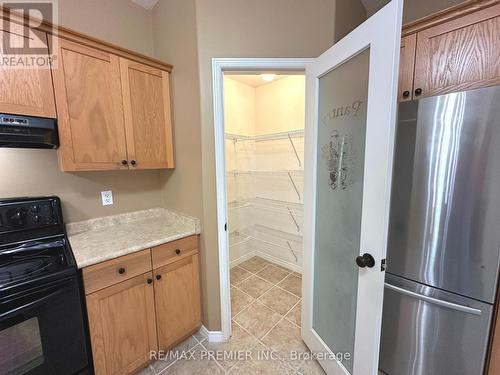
x=107, y=197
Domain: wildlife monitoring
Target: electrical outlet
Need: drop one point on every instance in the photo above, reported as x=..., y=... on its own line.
x=107, y=197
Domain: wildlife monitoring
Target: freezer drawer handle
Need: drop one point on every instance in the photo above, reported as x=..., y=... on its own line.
x=449, y=305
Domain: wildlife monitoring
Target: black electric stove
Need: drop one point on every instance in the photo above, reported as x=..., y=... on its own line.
x=42, y=328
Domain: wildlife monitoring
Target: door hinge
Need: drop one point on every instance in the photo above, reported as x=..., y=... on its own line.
x=225, y=227
x=383, y=265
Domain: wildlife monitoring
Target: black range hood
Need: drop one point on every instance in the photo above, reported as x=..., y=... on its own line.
x=28, y=132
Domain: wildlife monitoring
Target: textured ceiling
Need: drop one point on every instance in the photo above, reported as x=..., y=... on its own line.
x=148, y=4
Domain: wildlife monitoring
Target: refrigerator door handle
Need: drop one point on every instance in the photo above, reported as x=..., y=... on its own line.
x=449, y=305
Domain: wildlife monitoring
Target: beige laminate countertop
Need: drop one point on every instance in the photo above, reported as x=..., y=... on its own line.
x=97, y=240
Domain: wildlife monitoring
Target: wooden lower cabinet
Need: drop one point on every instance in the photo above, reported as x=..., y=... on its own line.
x=177, y=297
x=122, y=325
x=142, y=302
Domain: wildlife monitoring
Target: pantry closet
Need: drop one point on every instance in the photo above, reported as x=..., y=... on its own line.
x=264, y=140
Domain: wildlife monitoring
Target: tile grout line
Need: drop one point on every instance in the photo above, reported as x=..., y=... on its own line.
x=268, y=281
x=198, y=343
x=258, y=299
x=273, y=285
x=267, y=333
x=202, y=343
x=259, y=342
x=283, y=317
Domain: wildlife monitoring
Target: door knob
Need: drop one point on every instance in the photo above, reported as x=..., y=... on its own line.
x=158, y=277
x=150, y=281
x=133, y=162
x=418, y=91
x=124, y=162
x=365, y=260
x=406, y=94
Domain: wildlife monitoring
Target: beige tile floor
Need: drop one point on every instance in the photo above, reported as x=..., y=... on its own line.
x=265, y=303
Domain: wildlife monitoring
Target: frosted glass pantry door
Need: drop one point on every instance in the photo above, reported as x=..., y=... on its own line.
x=350, y=126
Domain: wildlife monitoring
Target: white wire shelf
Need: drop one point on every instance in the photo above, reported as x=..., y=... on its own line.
x=264, y=172
x=265, y=235
x=266, y=137
x=236, y=238
x=268, y=203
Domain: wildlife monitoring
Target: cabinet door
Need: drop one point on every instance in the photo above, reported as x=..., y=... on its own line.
x=460, y=54
x=122, y=325
x=148, y=121
x=25, y=91
x=89, y=104
x=406, y=67
x=177, y=293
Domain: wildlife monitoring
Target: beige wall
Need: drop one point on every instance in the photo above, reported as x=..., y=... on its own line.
x=239, y=107
x=280, y=105
x=116, y=21
x=269, y=108
x=242, y=28
x=348, y=15
x=415, y=9
x=35, y=172
x=174, y=25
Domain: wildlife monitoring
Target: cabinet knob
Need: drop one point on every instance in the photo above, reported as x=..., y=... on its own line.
x=406, y=94
x=150, y=281
x=121, y=270
x=133, y=162
x=418, y=91
x=158, y=277
x=124, y=162
x=178, y=251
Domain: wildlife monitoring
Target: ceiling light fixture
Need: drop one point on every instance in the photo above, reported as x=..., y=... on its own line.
x=267, y=77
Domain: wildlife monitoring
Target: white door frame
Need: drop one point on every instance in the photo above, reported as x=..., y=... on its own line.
x=382, y=37
x=219, y=65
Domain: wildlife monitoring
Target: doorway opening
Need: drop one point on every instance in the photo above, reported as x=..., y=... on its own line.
x=260, y=182
x=264, y=152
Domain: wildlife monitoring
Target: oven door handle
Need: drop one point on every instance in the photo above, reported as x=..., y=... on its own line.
x=33, y=303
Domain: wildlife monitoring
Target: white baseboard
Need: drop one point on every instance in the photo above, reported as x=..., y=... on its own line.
x=242, y=258
x=278, y=261
x=272, y=259
x=212, y=336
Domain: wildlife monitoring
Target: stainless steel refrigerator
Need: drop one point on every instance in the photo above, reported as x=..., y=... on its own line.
x=444, y=237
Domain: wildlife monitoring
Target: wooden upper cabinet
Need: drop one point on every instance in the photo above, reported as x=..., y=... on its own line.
x=148, y=120
x=459, y=54
x=89, y=104
x=26, y=91
x=122, y=325
x=406, y=67
x=177, y=296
